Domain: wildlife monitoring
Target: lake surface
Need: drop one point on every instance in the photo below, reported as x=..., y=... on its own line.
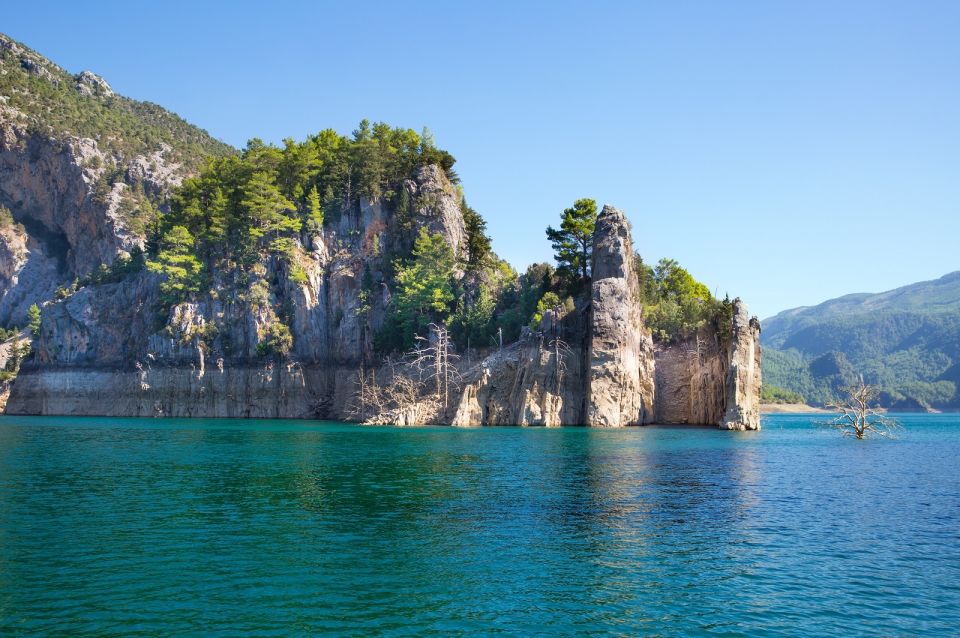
x=220, y=527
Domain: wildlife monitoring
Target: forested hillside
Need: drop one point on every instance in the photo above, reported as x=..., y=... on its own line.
x=907, y=341
x=49, y=100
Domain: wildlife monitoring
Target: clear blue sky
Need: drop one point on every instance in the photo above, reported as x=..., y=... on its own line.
x=785, y=152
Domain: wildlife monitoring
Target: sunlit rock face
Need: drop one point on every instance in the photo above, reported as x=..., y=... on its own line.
x=609, y=372
x=201, y=358
x=744, y=379
x=620, y=387
x=710, y=378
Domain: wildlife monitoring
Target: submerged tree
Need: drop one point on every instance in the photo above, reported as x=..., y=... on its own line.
x=857, y=417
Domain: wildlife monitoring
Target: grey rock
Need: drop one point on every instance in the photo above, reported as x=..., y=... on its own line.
x=91, y=84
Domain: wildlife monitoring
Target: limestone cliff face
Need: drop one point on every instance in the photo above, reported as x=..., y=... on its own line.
x=540, y=380
x=101, y=351
x=691, y=380
x=742, y=390
x=620, y=361
x=82, y=171
x=201, y=358
x=712, y=378
x=614, y=375
x=74, y=217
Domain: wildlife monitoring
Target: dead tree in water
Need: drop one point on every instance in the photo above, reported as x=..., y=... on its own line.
x=857, y=418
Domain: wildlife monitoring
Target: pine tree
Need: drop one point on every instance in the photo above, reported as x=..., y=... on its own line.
x=33, y=320
x=424, y=290
x=314, y=220
x=573, y=242
x=268, y=211
x=478, y=242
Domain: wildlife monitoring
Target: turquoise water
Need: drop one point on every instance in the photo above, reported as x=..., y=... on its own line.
x=172, y=527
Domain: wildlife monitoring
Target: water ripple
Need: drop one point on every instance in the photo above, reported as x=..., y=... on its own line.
x=171, y=527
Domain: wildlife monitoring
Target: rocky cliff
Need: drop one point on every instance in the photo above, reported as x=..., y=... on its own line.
x=620, y=386
x=104, y=350
x=84, y=173
x=81, y=170
x=614, y=375
x=595, y=364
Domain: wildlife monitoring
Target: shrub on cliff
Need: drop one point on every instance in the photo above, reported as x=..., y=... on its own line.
x=34, y=319
x=176, y=262
x=277, y=341
x=518, y=302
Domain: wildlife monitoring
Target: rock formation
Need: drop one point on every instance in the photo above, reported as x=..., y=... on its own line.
x=102, y=351
x=743, y=373
x=620, y=360
x=81, y=202
x=613, y=375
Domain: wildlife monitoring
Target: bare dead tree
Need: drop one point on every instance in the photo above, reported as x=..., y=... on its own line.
x=384, y=400
x=560, y=353
x=408, y=390
x=857, y=417
x=434, y=360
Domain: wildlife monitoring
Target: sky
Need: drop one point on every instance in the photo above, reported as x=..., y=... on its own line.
x=783, y=152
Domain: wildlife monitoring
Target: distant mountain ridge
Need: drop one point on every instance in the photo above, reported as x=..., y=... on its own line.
x=905, y=340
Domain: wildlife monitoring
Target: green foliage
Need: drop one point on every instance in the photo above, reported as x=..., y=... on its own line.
x=472, y=323
x=675, y=304
x=478, y=242
x=19, y=351
x=518, y=302
x=6, y=219
x=424, y=291
x=176, y=262
x=238, y=204
x=773, y=394
x=264, y=210
x=549, y=301
x=243, y=208
x=126, y=128
x=314, y=220
x=122, y=267
x=573, y=242
x=277, y=341
x=33, y=320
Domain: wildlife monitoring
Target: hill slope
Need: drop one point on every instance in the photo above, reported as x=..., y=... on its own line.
x=40, y=95
x=83, y=172
x=906, y=340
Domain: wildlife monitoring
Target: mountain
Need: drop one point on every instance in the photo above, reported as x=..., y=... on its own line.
x=83, y=174
x=906, y=341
